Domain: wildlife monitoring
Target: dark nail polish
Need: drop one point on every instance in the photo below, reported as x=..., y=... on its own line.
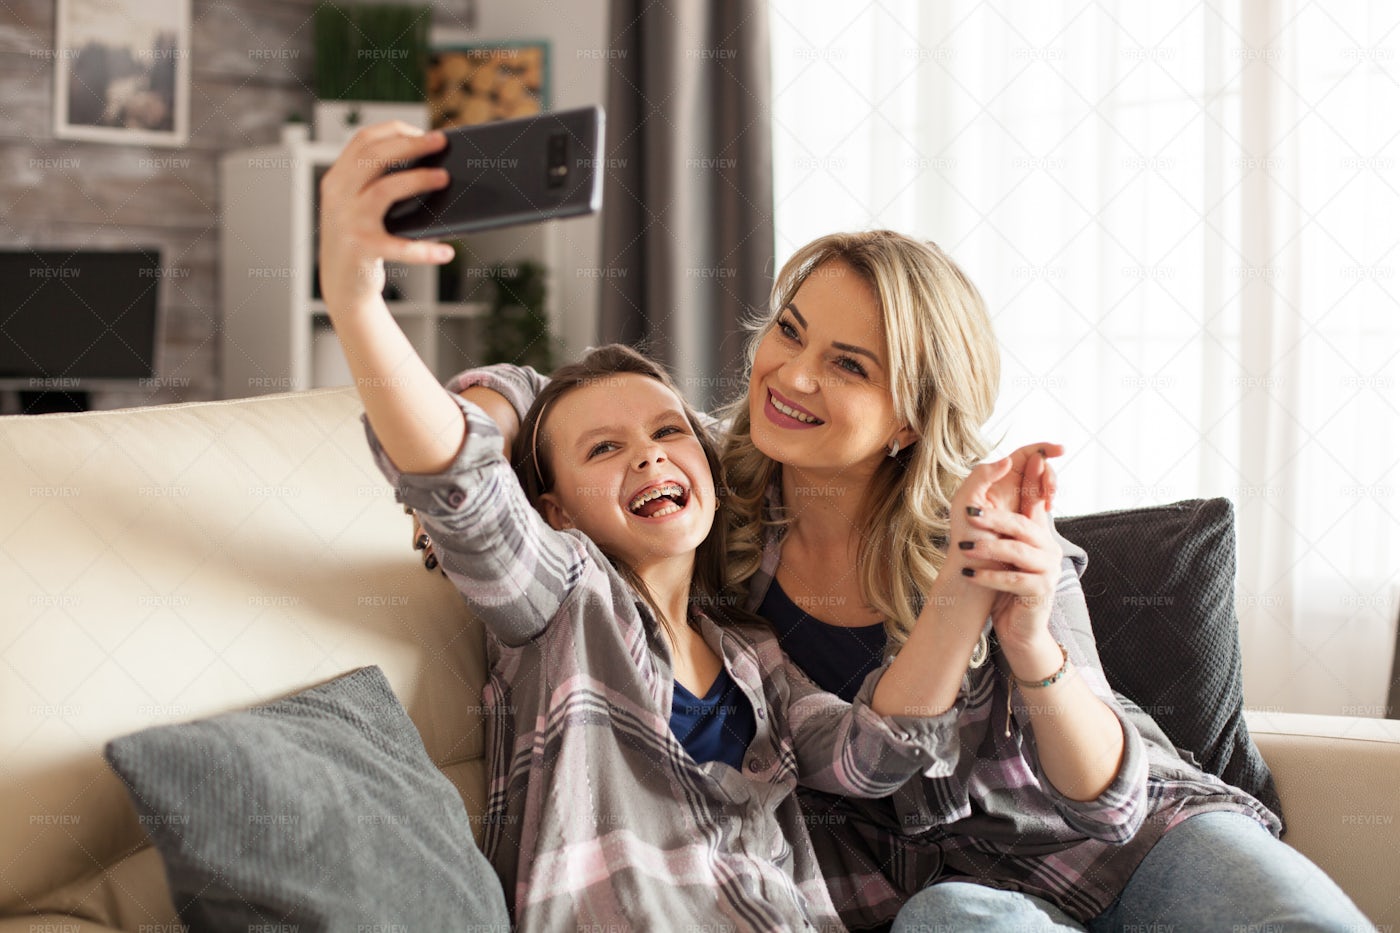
x=973, y=510
x=968, y=572
x=431, y=562
x=421, y=543
x=966, y=545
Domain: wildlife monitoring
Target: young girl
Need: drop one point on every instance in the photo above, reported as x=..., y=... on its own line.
x=646, y=741
x=869, y=381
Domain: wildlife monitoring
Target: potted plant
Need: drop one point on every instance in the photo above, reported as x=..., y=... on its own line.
x=370, y=64
x=517, y=330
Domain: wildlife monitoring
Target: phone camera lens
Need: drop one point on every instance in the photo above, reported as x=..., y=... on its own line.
x=557, y=168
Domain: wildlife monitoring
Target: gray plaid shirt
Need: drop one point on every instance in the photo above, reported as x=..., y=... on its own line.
x=989, y=816
x=596, y=815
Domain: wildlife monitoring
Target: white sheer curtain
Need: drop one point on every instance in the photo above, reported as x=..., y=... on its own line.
x=1187, y=226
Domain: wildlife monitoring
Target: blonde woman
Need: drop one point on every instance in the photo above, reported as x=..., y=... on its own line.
x=870, y=379
x=845, y=469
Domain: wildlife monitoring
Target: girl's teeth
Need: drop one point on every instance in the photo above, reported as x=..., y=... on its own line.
x=657, y=493
x=668, y=510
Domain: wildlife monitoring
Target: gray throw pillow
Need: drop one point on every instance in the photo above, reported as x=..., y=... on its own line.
x=318, y=812
x=1160, y=586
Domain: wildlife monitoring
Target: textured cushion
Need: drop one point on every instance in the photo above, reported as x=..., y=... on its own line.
x=321, y=811
x=1160, y=586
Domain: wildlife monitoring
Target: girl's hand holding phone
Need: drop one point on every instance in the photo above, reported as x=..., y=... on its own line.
x=418, y=424
x=355, y=194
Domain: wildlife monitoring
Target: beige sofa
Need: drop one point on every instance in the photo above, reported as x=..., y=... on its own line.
x=167, y=563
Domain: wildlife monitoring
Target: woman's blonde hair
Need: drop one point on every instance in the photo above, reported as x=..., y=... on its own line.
x=944, y=370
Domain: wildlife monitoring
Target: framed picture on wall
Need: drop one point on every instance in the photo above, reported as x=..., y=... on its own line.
x=470, y=84
x=122, y=71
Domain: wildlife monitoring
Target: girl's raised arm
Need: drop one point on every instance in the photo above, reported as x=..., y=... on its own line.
x=419, y=426
x=443, y=455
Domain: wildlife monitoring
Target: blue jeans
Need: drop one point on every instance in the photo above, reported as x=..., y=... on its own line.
x=1212, y=872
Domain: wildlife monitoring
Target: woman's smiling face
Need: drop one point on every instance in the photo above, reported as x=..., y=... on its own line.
x=819, y=397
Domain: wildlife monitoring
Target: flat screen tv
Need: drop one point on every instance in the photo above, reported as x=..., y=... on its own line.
x=78, y=316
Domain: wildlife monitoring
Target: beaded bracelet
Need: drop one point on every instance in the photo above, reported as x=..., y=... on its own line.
x=1053, y=678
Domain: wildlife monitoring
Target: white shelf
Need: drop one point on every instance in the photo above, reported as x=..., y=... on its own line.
x=462, y=310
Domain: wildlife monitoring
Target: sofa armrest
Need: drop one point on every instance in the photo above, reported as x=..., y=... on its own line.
x=1337, y=778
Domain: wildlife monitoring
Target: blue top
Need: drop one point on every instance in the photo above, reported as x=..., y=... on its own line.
x=836, y=657
x=716, y=727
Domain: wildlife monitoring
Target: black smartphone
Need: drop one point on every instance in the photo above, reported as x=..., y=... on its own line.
x=508, y=172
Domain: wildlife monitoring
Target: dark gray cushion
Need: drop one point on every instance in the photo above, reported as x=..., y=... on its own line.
x=1160, y=586
x=321, y=811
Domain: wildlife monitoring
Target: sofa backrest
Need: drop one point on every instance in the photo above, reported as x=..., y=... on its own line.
x=167, y=563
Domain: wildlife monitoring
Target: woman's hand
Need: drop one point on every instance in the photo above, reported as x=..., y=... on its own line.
x=356, y=193
x=1012, y=484
x=927, y=674
x=1029, y=559
x=1078, y=737
x=421, y=542
x=1009, y=549
x=1029, y=479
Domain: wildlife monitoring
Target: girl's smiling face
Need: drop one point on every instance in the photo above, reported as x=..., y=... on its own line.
x=628, y=470
x=819, y=397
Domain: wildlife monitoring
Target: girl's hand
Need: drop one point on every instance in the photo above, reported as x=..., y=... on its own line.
x=419, y=426
x=1030, y=558
x=356, y=192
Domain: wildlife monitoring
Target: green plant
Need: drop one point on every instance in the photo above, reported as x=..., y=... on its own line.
x=517, y=330
x=371, y=51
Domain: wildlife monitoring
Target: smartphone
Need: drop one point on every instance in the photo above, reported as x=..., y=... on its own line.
x=508, y=172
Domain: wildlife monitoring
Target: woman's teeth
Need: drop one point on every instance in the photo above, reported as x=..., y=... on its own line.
x=792, y=412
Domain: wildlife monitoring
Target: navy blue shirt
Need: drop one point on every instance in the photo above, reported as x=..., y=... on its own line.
x=836, y=657
x=716, y=727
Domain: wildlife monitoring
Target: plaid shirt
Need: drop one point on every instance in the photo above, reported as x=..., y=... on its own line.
x=596, y=816
x=991, y=817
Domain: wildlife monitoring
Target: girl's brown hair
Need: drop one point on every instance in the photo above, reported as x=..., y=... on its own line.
x=535, y=471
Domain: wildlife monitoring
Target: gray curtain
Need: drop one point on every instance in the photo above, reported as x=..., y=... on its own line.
x=688, y=202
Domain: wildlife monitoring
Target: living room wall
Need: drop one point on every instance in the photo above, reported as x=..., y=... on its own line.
x=251, y=66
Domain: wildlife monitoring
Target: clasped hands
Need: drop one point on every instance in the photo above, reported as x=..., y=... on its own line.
x=1000, y=538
